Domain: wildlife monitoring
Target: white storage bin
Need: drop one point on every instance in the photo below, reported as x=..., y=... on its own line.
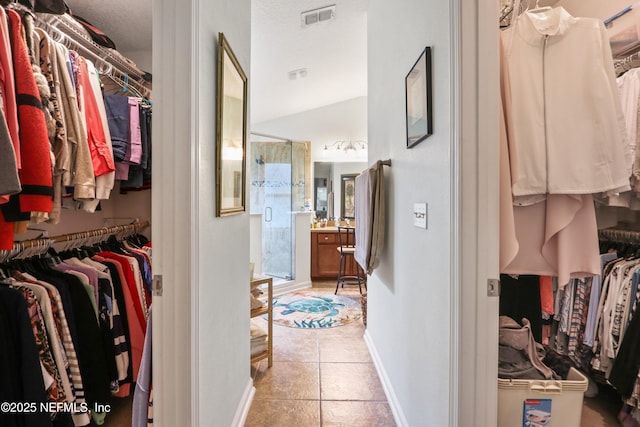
x=566, y=400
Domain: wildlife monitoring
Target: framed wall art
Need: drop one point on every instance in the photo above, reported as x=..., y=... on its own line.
x=231, y=132
x=418, y=100
x=348, y=196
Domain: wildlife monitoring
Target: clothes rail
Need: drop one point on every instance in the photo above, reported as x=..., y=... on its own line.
x=66, y=28
x=607, y=22
x=617, y=235
x=627, y=63
x=81, y=235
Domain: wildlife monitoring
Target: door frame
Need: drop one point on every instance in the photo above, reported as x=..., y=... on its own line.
x=475, y=214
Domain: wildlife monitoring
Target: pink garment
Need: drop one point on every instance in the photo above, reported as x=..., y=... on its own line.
x=508, y=241
x=134, y=150
x=122, y=171
x=557, y=237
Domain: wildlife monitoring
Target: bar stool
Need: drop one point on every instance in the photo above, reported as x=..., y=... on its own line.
x=347, y=249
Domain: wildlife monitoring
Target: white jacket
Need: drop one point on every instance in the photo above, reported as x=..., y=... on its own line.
x=569, y=131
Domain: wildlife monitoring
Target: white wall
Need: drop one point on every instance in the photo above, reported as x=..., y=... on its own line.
x=340, y=121
x=142, y=58
x=594, y=8
x=409, y=294
x=223, y=291
x=201, y=326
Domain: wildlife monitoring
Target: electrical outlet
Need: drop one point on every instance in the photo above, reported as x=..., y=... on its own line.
x=420, y=215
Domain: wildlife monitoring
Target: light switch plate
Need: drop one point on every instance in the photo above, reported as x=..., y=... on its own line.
x=420, y=215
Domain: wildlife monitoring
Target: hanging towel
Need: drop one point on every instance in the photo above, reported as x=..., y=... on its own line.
x=370, y=217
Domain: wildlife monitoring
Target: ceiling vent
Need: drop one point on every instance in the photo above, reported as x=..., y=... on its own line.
x=314, y=16
x=300, y=73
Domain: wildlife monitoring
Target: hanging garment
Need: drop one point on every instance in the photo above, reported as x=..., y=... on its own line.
x=104, y=183
x=36, y=173
x=9, y=180
x=101, y=155
x=142, y=396
x=23, y=370
x=80, y=175
x=556, y=237
x=75, y=393
x=49, y=67
x=568, y=124
x=7, y=87
x=117, y=108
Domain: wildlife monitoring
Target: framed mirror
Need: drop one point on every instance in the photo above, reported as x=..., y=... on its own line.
x=230, y=132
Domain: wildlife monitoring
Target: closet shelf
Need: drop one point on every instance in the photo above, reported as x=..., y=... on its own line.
x=67, y=31
x=259, y=311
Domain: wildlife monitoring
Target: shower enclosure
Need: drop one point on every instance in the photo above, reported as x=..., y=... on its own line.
x=278, y=176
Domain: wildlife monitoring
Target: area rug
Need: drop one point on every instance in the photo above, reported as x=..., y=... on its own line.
x=314, y=309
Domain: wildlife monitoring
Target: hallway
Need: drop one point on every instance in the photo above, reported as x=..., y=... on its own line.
x=319, y=378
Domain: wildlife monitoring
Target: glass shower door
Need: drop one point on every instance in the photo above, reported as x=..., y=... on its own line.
x=271, y=195
x=277, y=226
x=278, y=177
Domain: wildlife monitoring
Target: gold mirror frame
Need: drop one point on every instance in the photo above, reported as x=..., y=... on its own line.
x=231, y=132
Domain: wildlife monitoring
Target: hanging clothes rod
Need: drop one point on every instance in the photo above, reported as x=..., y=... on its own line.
x=607, y=22
x=26, y=248
x=385, y=162
x=82, y=235
x=617, y=235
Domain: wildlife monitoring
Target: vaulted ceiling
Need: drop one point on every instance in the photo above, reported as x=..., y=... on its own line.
x=333, y=53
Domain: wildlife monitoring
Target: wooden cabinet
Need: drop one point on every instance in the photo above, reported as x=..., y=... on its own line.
x=266, y=309
x=325, y=257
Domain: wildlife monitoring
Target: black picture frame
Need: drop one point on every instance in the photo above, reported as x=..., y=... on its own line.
x=418, y=91
x=348, y=196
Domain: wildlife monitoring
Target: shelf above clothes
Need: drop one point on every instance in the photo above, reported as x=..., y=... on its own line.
x=64, y=29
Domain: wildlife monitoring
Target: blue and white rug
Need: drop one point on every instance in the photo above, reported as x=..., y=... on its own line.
x=314, y=309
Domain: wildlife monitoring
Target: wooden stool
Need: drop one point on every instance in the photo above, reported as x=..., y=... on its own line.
x=347, y=249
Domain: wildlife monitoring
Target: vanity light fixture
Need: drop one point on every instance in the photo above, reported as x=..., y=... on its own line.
x=347, y=145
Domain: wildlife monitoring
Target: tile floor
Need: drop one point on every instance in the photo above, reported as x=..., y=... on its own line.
x=319, y=378
x=327, y=378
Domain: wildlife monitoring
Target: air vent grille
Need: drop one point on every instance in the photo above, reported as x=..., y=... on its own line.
x=315, y=16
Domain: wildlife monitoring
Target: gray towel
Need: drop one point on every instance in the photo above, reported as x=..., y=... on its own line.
x=370, y=217
x=9, y=182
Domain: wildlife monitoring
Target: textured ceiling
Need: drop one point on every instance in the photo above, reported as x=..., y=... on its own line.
x=126, y=22
x=334, y=52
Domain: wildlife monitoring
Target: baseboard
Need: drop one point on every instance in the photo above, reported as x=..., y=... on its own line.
x=244, y=406
x=288, y=287
x=396, y=409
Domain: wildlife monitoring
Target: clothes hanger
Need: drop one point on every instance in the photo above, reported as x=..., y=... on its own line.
x=538, y=8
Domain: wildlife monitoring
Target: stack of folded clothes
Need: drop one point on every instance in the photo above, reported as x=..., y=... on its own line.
x=258, y=339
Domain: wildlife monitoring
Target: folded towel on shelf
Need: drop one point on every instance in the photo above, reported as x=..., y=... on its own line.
x=259, y=347
x=255, y=302
x=256, y=331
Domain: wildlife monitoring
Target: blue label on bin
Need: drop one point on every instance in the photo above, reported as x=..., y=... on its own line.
x=537, y=413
